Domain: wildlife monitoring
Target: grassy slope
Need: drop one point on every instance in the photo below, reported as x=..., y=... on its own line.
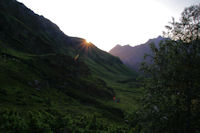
x=120, y=78
x=41, y=84
x=31, y=88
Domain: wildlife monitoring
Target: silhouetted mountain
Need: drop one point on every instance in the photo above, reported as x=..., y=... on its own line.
x=49, y=80
x=133, y=56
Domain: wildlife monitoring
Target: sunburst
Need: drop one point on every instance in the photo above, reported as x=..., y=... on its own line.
x=85, y=46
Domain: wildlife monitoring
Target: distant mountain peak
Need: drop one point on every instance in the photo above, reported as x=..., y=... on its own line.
x=159, y=37
x=127, y=45
x=118, y=45
x=132, y=56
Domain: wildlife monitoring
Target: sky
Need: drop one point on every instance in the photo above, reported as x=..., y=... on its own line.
x=107, y=23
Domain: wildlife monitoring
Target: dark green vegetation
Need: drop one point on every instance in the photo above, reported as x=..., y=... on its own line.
x=50, y=82
x=134, y=56
x=172, y=101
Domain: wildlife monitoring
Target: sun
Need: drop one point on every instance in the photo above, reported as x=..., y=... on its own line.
x=86, y=41
x=86, y=46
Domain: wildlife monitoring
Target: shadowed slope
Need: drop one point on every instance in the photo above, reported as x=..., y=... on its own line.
x=43, y=87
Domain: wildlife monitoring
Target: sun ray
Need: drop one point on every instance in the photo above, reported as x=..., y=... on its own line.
x=85, y=46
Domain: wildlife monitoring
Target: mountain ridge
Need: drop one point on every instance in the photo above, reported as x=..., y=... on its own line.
x=51, y=82
x=132, y=56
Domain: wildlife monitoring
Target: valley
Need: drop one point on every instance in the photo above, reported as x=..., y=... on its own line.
x=51, y=82
x=45, y=86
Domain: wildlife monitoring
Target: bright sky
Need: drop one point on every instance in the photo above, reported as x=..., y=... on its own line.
x=106, y=23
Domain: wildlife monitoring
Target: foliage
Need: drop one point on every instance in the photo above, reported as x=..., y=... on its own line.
x=52, y=121
x=188, y=29
x=172, y=100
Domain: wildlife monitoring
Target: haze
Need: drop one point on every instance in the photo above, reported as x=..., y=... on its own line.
x=109, y=22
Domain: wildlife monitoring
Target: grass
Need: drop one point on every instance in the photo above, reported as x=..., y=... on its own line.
x=42, y=87
x=43, y=83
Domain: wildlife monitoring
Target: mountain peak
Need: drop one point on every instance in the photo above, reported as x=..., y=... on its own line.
x=159, y=37
x=127, y=45
x=118, y=45
x=155, y=40
x=133, y=56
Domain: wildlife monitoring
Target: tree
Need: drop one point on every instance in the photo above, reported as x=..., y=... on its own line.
x=172, y=101
x=188, y=28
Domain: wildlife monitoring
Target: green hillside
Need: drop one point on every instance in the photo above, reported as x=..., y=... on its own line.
x=50, y=82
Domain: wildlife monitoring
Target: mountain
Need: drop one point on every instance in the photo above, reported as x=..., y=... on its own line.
x=134, y=56
x=51, y=82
